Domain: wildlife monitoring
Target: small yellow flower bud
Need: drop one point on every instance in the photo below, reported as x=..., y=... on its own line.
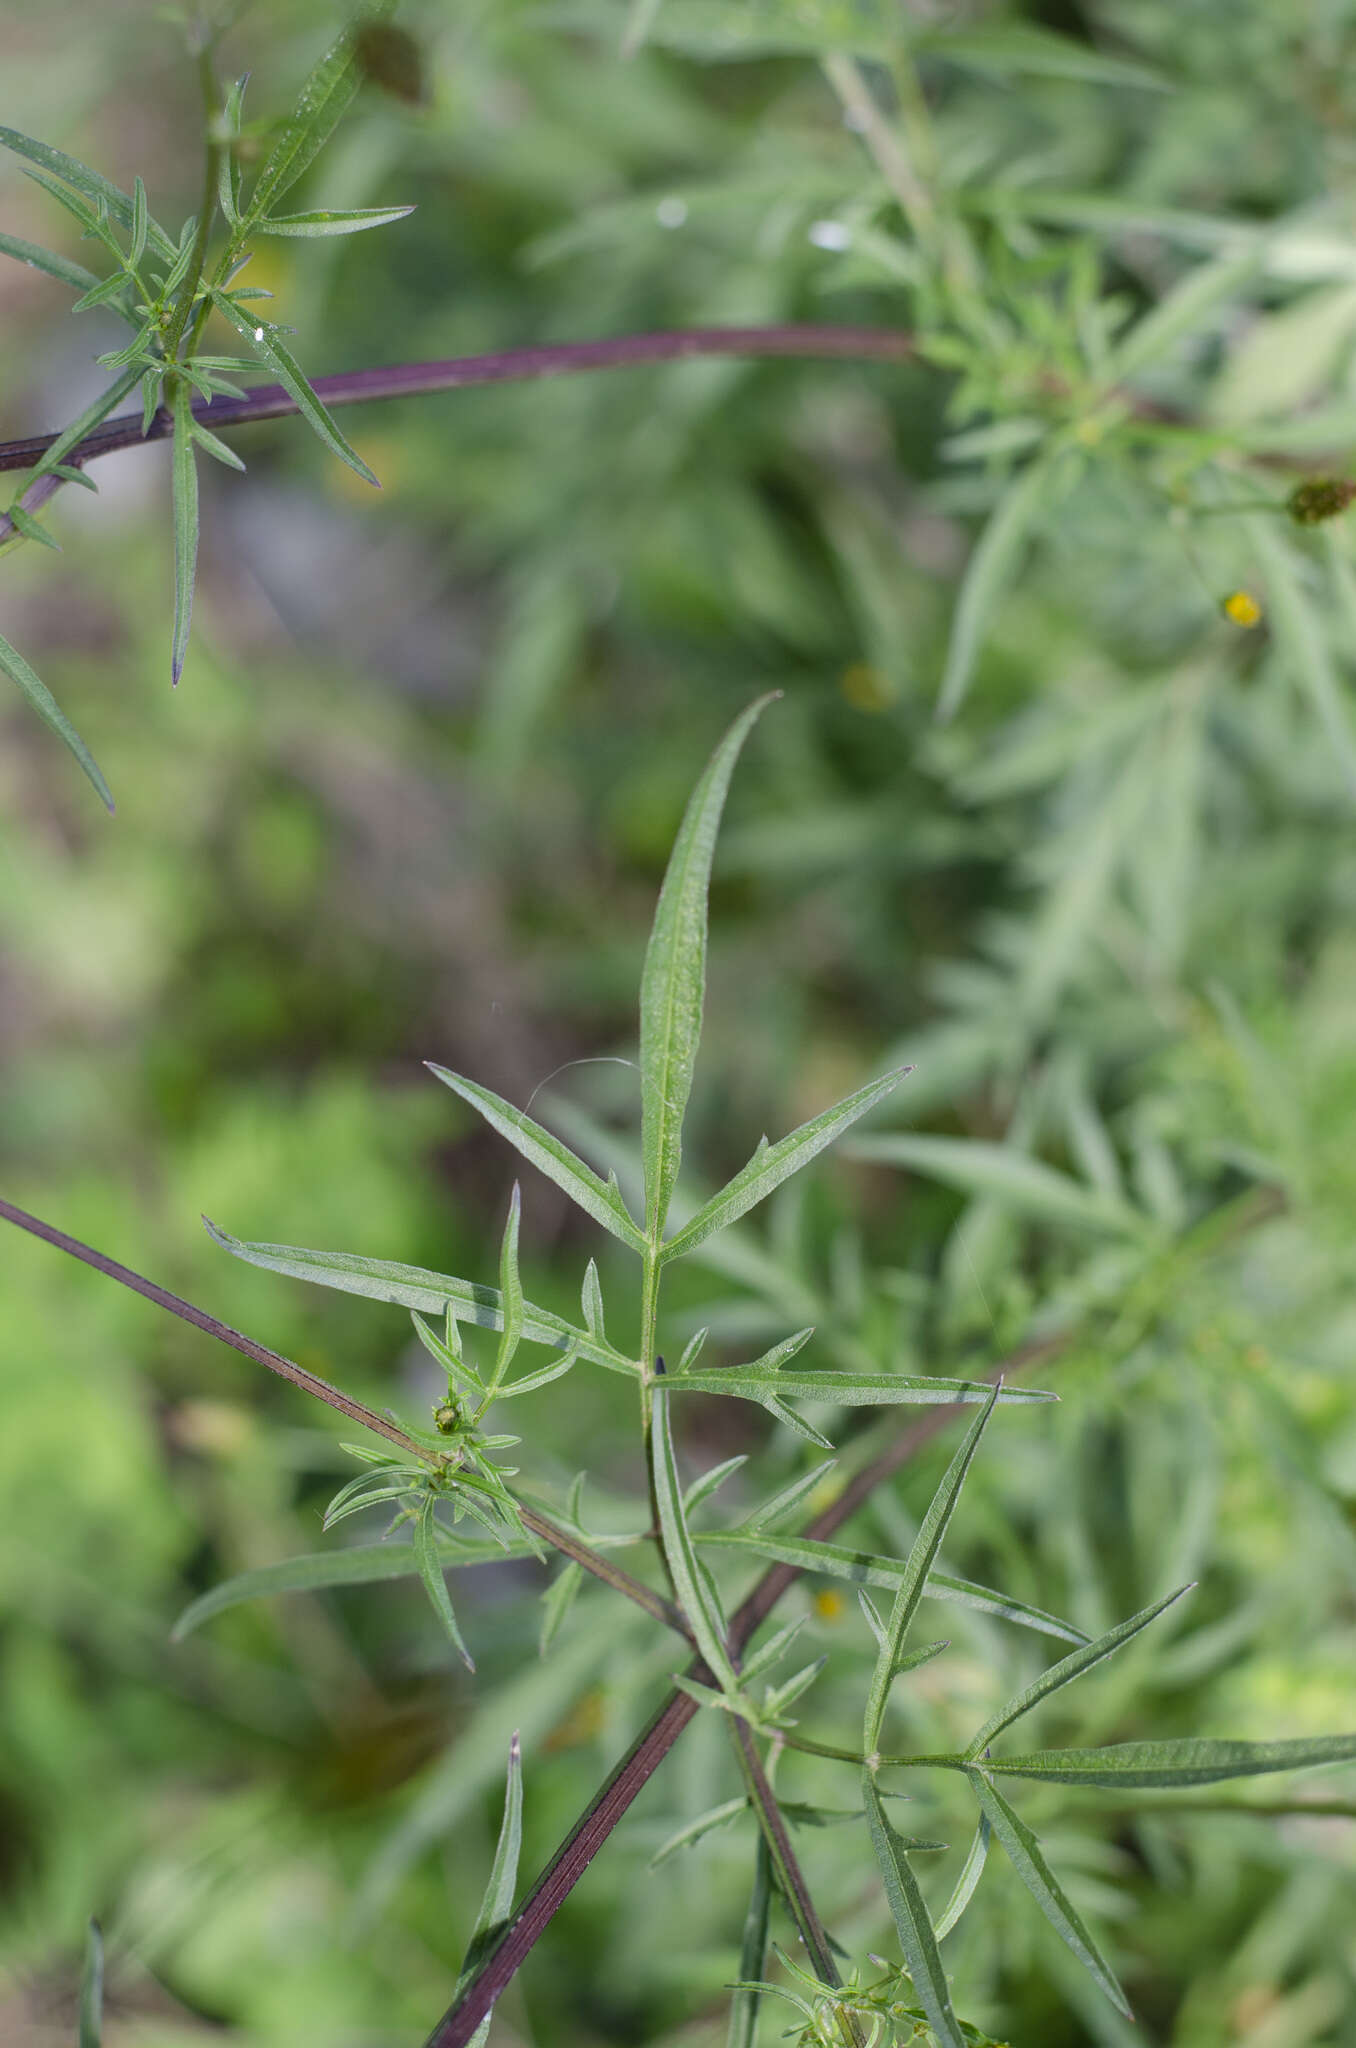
x=1242, y=607
x=828, y=1604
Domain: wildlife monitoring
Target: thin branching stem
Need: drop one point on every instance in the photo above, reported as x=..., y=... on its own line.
x=564, y=1540
x=504, y=366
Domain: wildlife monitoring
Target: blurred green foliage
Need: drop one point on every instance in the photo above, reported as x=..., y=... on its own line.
x=412, y=800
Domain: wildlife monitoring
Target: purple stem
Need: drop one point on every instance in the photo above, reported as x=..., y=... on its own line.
x=550, y=359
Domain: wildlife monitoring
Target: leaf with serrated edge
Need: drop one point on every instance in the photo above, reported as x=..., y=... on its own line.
x=1187, y=1760
x=921, y=1558
x=673, y=982
x=911, y=1919
x=47, y=708
x=1024, y=1853
x=865, y=1568
x=1069, y=1668
x=429, y=1558
x=689, y=1581
x=414, y=1287
x=596, y=1197
x=772, y=1164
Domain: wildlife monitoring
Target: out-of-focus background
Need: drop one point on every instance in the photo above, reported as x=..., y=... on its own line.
x=412, y=801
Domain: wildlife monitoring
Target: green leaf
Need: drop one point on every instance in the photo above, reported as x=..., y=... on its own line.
x=692, y=1830
x=673, y=983
x=783, y=1504
x=510, y=1294
x=1069, y=1668
x=971, y=1872
x=120, y=207
x=599, y=1199
x=104, y=292
x=1181, y=310
x=702, y=1489
x=361, y=1564
x=320, y=107
x=218, y=450
x=690, y=1582
x=415, y=1288
x=97, y=410
x=863, y=1568
x=60, y=267
x=497, y=1905
x=1303, y=642
x=321, y=223
x=140, y=225
x=922, y=1557
x=772, y=1164
x=742, y=2031
x=185, y=526
x=46, y=706
x=846, y=1389
x=31, y=528
x=1008, y=48
x=911, y=1919
x=271, y=349
x=1189, y=1760
x=1024, y=1853
x=429, y=1558
x=1006, y=1175
x=557, y=1601
x=988, y=573
x=92, y=1989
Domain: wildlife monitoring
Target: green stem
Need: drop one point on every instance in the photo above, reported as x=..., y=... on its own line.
x=787, y=1872
x=212, y=161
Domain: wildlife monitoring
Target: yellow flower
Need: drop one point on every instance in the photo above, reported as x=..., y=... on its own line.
x=828, y=1604
x=1242, y=607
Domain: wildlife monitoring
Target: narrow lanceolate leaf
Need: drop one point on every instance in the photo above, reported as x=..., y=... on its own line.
x=690, y=1583
x=673, y=983
x=510, y=1292
x=497, y=1904
x=94, y=187
x=429, y=1558
x=1067, y=1670
x=361, y=1564
x=416, y=1288
x=598, y=1198
x=185, y=525
x=692, y=1830
x=140, y=224
x=1006, y=1175
x=743, y=2028
x=987, y=575
x=322, y=223
x=270, y=347
x=772, y=1164
x=32, y=529
x=970, y=1875
x=1190, y=1760
x=845, y=1389
x=912, y=1586
x=1303, y=644
x=47, y=708
x=92, y=1989
x=864, y=1568
x=74, y=274
x=1024, y=1853
x=912, y=1922
x=320, y=107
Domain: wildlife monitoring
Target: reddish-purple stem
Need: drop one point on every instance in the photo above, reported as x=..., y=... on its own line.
x=550, y=359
